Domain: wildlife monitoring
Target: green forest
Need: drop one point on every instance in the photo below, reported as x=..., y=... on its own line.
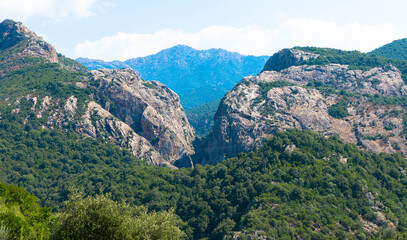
x=305, y=190
x=58, y=184
x=396, y=50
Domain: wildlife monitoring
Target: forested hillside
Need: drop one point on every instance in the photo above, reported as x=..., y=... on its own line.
x=298, y=184
x=396, y=50
x=70, y=138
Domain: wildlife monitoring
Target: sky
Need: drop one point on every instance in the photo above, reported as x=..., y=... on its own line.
x=124, y=29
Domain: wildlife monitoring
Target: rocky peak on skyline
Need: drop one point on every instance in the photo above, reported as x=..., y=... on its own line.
x=286, y=58
x=114, y=106
x=19, y=44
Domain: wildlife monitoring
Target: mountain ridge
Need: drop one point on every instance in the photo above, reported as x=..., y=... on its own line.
x=325, y=90
x=43, y=90
x=396, y=50
x=186, y=70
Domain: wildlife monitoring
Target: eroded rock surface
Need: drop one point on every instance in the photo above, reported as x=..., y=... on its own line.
x=256, y=108
x=151, y=109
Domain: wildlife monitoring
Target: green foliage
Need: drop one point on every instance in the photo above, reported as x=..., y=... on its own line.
x=149, y=85
x=46, y=162
x=21, y=217
x=396, y=50
x=201, y=117
x=40, y=80
x=280, y=192
x=338, y=110
x=100, y=217
x=355, y=59
x=203, y=95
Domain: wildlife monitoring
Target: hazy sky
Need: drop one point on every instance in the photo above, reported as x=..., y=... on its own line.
x=122, y=29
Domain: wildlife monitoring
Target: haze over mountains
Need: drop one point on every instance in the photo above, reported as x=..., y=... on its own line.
x=197, y=76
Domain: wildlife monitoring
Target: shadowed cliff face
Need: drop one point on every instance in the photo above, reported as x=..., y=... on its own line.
x=304, y=97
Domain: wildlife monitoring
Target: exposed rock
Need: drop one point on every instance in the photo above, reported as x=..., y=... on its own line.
x=248, y=114
x=18, y=42
x=70, y=107
x=385, y=81
x=287, y=58
x=151, y=109
x=97, y=122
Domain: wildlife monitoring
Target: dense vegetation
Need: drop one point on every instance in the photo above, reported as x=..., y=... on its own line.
x=82, y=217
x=201, y=117
x=102, y=218
x=396, y=50
x=338, y=110
x=21, y=217
x=266, y=190
x=43, y=79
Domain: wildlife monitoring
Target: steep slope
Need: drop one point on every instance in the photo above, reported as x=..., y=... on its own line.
x=150, y=108
x=396, y=50
x=45, y=90
x=298, y=184
x=313, y=89
x=198, y=77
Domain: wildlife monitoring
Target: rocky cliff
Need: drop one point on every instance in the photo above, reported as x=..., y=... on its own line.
x=361, y=106
x=110, y=105
x=18, y=44
x=151, y=109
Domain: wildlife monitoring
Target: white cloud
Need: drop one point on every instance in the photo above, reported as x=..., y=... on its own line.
x=55, y=9
x=253, y=39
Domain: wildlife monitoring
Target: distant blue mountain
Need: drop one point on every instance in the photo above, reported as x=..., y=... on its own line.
x=197, y=76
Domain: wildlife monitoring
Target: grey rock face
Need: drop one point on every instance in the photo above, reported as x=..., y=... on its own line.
x=248, y=115
x=287, y=58
x=151, y=109
x=385, y=81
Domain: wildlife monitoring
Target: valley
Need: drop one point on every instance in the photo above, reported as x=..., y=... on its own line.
x=311, y=145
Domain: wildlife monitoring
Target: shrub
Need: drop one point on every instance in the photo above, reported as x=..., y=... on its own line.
x=102, y=218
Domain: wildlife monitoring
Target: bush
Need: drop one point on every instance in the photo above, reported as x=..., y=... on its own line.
x=21, y=216
x=102, y=218
x=338, y=110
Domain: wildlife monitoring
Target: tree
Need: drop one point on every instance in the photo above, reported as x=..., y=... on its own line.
x=102, y=218
x=21, y=217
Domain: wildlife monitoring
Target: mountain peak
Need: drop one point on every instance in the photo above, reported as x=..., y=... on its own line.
x=286, y=58
x=19, y=42
x=12, y=32
x=9, y=26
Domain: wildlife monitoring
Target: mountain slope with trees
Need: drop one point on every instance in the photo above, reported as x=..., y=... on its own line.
x=41, y=89
x=297, y=184
x=360, y=97
x=396, y=50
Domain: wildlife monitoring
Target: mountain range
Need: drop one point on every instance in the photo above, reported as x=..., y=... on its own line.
x=312, y=147
x=197, y=76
